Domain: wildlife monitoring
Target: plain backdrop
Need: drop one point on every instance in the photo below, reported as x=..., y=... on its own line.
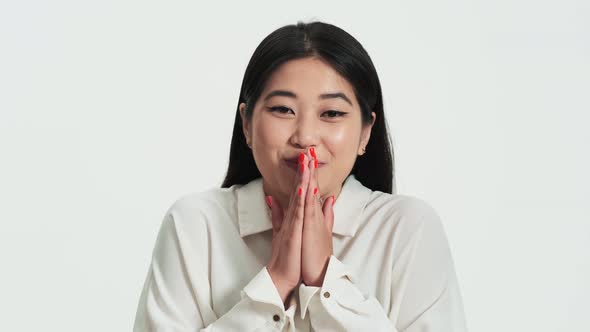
x=112, y=110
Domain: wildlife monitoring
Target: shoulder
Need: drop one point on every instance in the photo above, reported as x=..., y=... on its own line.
x=203, y=206
x=413, y=223
x=398, y=206
x=405, y=215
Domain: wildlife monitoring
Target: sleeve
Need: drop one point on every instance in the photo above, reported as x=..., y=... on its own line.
x=425, y=290
x=425, y=294
x=177, y=298
x=339, y=305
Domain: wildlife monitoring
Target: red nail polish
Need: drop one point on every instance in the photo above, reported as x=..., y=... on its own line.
x=268, y=201
x=301, y=157
x=301, y=167
x=315, y=191
x=315, y=163
x=300, y=191
x=312, y=150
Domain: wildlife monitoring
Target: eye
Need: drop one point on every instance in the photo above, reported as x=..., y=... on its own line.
x=279, y=109
x=285, y=110
x=334, y=114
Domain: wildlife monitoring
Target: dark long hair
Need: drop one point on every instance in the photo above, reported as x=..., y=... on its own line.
x=346, y=55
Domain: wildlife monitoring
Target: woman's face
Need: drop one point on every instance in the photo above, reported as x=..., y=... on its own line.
x=304, y=104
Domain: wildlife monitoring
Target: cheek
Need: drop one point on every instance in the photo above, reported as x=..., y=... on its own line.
x=269, y=135
x=269, y=140
x=340, y=141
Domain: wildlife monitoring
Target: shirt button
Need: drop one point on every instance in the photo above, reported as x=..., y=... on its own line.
x=327, y=294
x=276, y=318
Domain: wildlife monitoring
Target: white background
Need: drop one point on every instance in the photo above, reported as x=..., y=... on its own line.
x=111, y=110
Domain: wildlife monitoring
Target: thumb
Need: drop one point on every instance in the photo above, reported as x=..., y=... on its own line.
x=276, y=214
x=328, y=210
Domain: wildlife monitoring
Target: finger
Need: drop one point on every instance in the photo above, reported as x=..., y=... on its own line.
x=300, y=194
x=328, y=211
x=299, y=173
x=318, y=190
x=297, y=181
x=314, y=154
x=311, y=202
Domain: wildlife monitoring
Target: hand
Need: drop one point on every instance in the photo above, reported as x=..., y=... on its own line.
x=316, y=246
x=284, y=266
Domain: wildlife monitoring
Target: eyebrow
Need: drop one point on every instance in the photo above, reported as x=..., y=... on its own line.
x=286, y=93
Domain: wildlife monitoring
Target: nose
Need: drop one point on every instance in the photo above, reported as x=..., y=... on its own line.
x=306, y=133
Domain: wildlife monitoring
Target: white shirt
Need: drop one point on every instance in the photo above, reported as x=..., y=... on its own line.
x=391, y=269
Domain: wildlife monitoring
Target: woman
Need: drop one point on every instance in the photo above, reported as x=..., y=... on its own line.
x=305, y=233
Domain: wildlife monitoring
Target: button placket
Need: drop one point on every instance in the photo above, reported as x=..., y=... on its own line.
x=291, y=321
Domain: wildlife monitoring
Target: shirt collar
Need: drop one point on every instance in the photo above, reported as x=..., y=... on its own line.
x=254, y=214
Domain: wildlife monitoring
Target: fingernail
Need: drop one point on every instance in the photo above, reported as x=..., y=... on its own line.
x=301, y=167
x=301, y=157
x=300, y=191
x=312, y=150
x=268, y=201
x=315, y=163
x=315, y=191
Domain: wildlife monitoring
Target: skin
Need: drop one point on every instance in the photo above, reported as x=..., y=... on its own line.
x=302, y=224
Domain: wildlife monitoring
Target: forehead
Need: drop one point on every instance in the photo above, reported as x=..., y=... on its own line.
x=308, y=78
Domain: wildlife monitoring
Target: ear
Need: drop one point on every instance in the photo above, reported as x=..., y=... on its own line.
x=366, y=134
x=245, y=123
